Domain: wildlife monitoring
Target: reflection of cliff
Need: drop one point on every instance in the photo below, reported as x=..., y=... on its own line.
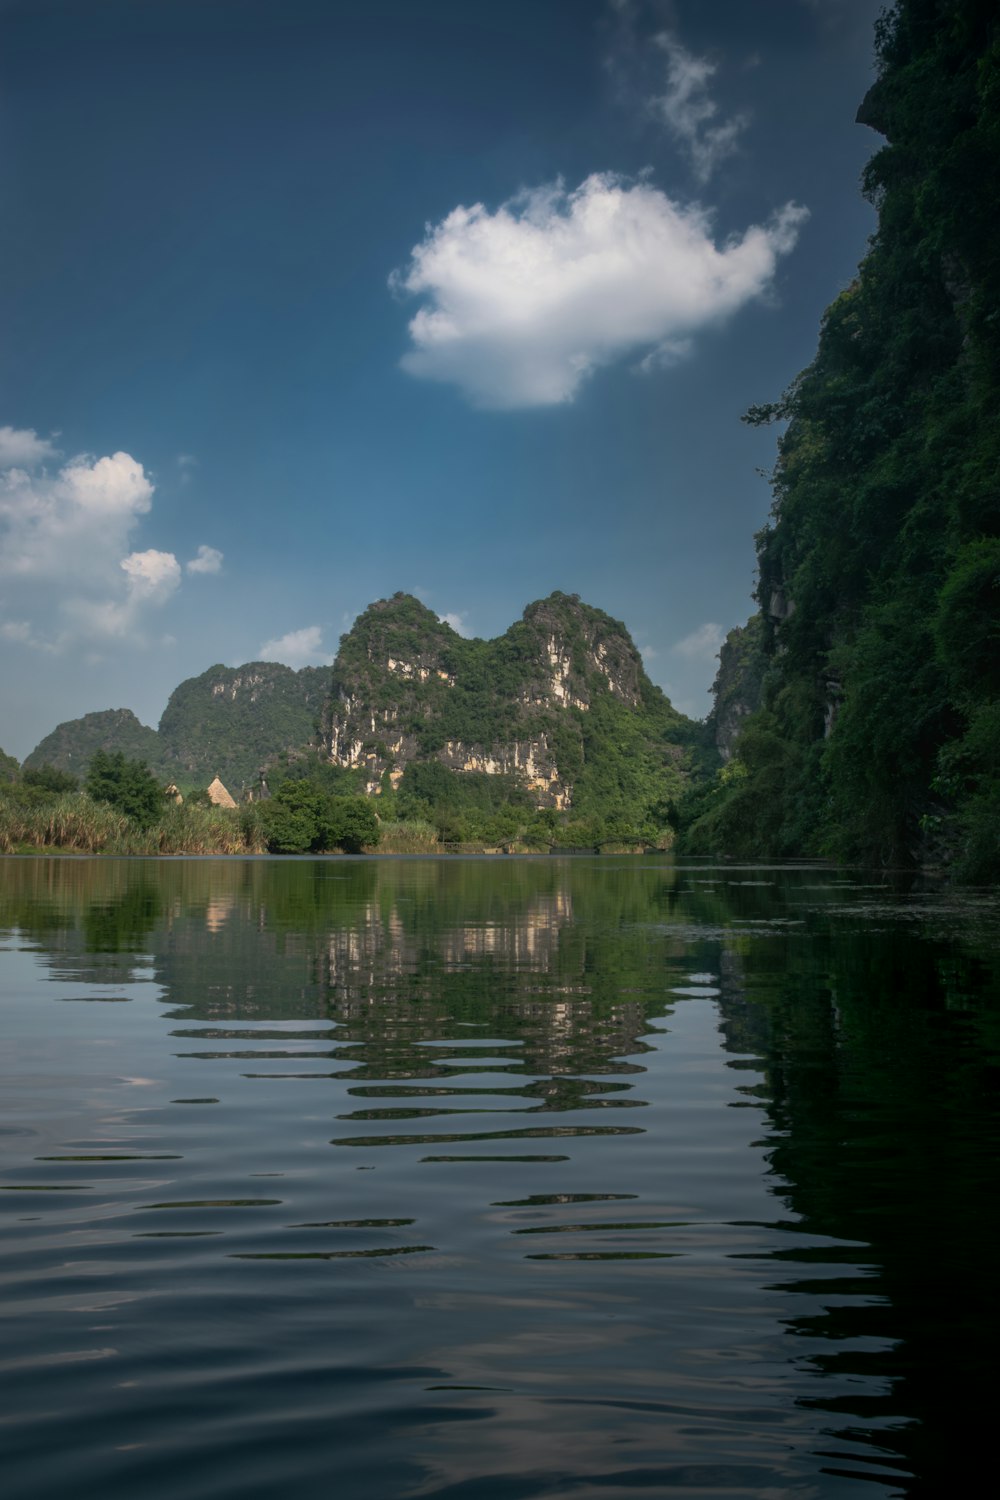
x=879, y=1050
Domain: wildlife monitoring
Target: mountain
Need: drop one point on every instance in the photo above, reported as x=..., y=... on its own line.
x=560, y=704
x=556, y=713
x=877, y=738
x=71, y=745
x=230, y=721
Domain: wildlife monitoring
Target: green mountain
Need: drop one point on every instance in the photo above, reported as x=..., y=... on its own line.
x=559, y=705
x=71, y=746
x=878, y=734
x=557, y=713
x=231, y=721
x=228, y=722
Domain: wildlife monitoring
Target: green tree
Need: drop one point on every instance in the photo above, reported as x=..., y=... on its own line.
x=51, y=779
x=127, y=785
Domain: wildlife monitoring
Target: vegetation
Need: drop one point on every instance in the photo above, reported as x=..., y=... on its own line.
x=71, y=745
x=877, y=735
x=303, y=818
x=128, y=786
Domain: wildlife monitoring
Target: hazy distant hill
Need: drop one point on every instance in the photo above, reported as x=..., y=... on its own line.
x=71, y=745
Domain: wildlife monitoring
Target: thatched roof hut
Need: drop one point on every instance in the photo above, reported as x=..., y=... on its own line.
x=219, y=796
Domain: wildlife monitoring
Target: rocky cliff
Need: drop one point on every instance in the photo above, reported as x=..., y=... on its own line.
x=552, y=702
x=558, y=708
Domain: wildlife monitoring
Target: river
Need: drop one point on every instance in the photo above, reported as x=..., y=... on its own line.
x=494, y=1179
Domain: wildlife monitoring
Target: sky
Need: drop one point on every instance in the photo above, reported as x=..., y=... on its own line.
x=305, y=302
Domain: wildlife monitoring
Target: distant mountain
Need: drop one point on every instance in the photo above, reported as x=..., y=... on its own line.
x=71, y=745
x=228, y=722
x=231, y=721
x=558, y=709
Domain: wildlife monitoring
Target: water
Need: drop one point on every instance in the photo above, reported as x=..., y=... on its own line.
x=493, y=1178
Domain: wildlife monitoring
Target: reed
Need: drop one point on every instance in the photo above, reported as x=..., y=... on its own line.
x=415, y=837
x=77, y=825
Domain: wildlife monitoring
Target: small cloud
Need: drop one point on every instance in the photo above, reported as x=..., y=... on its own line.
x=524, y=304
x=648, y=653
x=457, y=623
x=185, y=463
x=702, y=644
x=299, y=648
x=152, y=576
x=689, y=112
x=22, y=448
x=205, y=560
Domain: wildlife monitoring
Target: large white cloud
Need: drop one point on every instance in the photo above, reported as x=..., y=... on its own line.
x=297, y=648
x=524, y=303
x=66, y=564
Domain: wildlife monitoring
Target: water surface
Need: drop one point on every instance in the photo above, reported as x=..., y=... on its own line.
x=493, y=1178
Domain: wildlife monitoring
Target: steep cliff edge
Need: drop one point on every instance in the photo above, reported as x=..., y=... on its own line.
x=560, y=702
x=878, y=735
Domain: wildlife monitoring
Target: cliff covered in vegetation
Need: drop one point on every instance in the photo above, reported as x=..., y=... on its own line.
x=878, y=734
x=553, y=724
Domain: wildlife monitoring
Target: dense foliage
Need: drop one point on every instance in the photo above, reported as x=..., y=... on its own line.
x=302, y=818
x=880, y=569
x=71, y=745
x=231, y=721
x=126, y=785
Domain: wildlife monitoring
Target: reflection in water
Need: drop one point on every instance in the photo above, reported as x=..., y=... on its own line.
x=583, y=1178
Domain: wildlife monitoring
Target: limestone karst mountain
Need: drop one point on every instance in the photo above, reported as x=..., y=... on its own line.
x=559, y=707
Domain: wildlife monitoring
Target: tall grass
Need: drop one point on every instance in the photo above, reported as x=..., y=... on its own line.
x=416, y=837
x=78, y=825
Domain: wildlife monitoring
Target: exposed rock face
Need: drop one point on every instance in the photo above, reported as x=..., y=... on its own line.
x=559, y=705
x=406, y=687
x=230, y=720
x=737, y=686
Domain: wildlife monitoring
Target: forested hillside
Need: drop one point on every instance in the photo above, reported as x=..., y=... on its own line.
x=878, y=734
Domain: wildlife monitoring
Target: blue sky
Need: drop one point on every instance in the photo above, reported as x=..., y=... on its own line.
x=304, y=303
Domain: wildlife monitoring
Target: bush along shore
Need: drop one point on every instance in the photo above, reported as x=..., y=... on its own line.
x=123, y=809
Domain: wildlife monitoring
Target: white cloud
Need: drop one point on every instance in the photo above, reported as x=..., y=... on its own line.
x=648, y=653
x=689, y=112
x=457, y=622
x=299, y=648
x=152, y=575
x=702, y=644
x=65, y=559
x=23, y=448
x=206, y=560
x=524, y=303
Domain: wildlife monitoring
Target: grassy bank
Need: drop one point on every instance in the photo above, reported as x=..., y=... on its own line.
x=76, y=824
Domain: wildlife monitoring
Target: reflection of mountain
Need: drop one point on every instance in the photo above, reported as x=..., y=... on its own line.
x=333, y=1015
x=880, y=1052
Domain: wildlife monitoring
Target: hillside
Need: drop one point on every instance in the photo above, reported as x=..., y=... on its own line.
x=878, y=736
x=229, y=721
x=556, y=714
x=71, y=745
x=559, y=705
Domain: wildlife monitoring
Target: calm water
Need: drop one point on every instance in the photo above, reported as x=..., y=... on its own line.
x=493, y=1178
